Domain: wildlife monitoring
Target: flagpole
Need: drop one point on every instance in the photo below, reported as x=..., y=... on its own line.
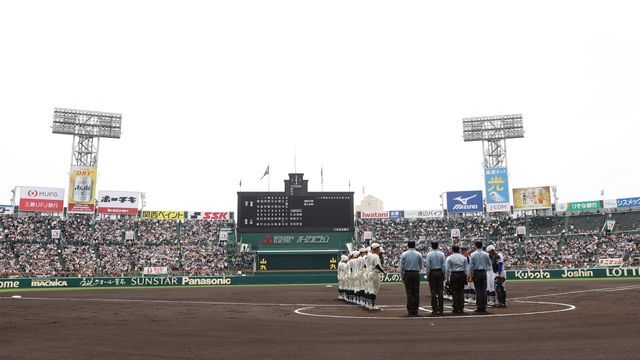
x=269, y=180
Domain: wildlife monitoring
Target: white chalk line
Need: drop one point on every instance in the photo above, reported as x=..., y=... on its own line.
x=613, y=289
x=566, y=307
x=151, y=301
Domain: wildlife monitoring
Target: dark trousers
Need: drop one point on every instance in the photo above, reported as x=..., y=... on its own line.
x=436, y=279
x=457, y=281
x=412, y=287
x=480, y=283
x=501, y=293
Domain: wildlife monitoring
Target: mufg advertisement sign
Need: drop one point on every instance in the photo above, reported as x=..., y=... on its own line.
x=464, y=201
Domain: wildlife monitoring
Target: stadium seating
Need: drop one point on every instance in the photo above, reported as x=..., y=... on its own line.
x=88, y=247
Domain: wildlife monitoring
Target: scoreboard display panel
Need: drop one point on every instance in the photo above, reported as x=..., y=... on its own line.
x=268, y=262
x=280, y=212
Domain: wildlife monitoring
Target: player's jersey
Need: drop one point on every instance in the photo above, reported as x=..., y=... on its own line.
x=341, y=270
x=374, y=261
x=351, y=267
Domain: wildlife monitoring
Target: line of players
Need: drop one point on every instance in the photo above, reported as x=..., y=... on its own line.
x=359, y=276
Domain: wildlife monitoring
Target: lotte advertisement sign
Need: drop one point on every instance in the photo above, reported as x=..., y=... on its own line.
x=82, y=189
x=41, y=199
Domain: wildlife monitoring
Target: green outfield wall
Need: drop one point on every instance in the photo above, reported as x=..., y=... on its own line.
x=329, y=277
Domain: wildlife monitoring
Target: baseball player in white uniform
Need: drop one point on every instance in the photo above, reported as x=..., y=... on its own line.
x=351, y=285
x=375, y=270
x=360, y=267
x=342, y=270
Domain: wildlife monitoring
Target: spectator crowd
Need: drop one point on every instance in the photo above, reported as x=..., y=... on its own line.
x=79, y=245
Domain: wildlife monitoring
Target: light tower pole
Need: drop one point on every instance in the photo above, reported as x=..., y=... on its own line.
x=87, y=127
x=494, y=131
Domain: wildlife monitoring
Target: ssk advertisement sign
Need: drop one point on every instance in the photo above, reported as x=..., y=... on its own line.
x=118, y=202
x=209, y=215
x=464, y=201
x=41, y=199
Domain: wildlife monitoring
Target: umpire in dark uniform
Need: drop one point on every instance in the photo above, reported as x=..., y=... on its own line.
x=410, y=266
x=435, y=268
x=479, y=263
x=457, y=273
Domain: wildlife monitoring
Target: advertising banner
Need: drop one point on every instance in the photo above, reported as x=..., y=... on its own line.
x=374, y=214
x=155, y=270
x=612, y=203
x=163, y=215
x=118, y=202
x=423, y=214
x=496, y=182
x=464, y=201
x=532, y=198
x=584, y=205
x=299, y=241
x=328, y=277
x=41, y=199
x=610, y=262
x=6, y=209
x=82, y=189
x=209, y=215
x=395, y=214
x=628, y=202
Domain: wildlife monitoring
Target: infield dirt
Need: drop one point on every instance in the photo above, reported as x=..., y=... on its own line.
x=259, y=323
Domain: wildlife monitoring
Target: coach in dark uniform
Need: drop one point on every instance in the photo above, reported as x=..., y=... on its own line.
x=435, y=268
x=456, y=274
x=410, y=266
x=479, y=264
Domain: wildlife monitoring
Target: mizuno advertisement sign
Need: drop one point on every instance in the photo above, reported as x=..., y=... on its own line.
x=464, y=201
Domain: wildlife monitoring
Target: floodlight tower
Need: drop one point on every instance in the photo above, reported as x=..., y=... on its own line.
x=87, y=127
x=493, y=131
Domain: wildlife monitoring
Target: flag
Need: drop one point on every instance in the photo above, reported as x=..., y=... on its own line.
x=266, y=172
x=240, y=183
x=322, y=175
x=602, y=192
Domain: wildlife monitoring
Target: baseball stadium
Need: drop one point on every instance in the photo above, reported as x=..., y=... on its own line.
x=300, y=274
x=301, y=180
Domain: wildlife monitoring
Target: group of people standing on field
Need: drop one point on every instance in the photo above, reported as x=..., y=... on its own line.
x=359, y=276
x=478, y=272
x=469, y=276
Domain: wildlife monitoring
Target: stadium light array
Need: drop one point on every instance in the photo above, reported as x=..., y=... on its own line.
x=491, y=128
x=86, y=123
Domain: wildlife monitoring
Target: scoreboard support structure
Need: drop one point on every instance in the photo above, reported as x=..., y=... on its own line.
x=296, y=229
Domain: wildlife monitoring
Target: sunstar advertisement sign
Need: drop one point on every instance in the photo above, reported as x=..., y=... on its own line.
x=464, y=201
x=497, y=188
x=41, y=199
